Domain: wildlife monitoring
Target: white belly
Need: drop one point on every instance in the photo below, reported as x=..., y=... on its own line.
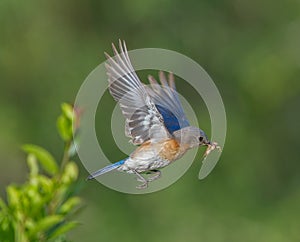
x=142, y=165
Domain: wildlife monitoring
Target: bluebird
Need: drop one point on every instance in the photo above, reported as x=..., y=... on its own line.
x=155, y=120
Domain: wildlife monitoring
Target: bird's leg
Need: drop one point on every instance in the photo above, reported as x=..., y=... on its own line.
x=156, y=176
x=140, y=178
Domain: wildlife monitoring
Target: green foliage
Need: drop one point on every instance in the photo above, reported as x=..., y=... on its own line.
x=64, y=122
x=46, y=159
x=40, y=209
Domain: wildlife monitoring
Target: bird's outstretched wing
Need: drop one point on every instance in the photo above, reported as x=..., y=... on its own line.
x=143, y=120
x=167, y=102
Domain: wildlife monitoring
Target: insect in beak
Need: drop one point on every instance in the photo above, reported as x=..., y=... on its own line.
x=210, y=147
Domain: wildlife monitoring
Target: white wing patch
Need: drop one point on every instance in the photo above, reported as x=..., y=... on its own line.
x=136, y=104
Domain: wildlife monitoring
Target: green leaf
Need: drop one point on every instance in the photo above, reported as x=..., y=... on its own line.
x=33, y=166
x=13, y=195
x=64, y=127
x=46, y=184
x=29, y=223
x=64, y=229
x=19, y=232
x=45, y=224
x=67, y=110
x=35, y=197
x=2, y=205
x=46, y=159
x=65, y=122
x=70, y=173
x=6, y=227
x=69, y=205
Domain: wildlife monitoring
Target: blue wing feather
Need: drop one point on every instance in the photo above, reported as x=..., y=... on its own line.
x=167, y=102
x=170, y=120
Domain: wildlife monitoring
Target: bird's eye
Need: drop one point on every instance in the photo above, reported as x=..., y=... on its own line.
x=200, y=138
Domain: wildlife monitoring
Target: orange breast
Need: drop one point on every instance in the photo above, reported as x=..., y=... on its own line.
x=170, y=150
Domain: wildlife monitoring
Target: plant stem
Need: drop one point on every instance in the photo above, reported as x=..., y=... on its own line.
x=54, y=203
x=66, y=157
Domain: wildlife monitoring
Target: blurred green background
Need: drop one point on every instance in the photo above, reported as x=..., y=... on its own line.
x=250, y=49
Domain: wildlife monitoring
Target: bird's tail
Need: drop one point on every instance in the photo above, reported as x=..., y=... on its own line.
x=106, y=169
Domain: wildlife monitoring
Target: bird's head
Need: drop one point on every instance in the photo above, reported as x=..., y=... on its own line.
x=194, y=137
x=191, y=136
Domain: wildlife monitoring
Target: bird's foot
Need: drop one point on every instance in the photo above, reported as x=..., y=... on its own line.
x=140, y=178
x=210, y=147
x=143, y=185
x=156, y=176
x=145, y=181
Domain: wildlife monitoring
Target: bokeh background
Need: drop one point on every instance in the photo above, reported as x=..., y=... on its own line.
x=250, y=49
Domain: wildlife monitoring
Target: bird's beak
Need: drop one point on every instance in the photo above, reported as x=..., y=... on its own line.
x=210, y=147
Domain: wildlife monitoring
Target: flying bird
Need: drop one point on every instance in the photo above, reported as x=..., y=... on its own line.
x=155, y=120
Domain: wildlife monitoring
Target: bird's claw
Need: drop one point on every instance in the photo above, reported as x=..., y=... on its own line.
x=156, y=176
x=210, y=147
x=143, y=186
x=150, y=179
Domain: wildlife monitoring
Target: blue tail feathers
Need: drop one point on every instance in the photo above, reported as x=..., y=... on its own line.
x=106, y=169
